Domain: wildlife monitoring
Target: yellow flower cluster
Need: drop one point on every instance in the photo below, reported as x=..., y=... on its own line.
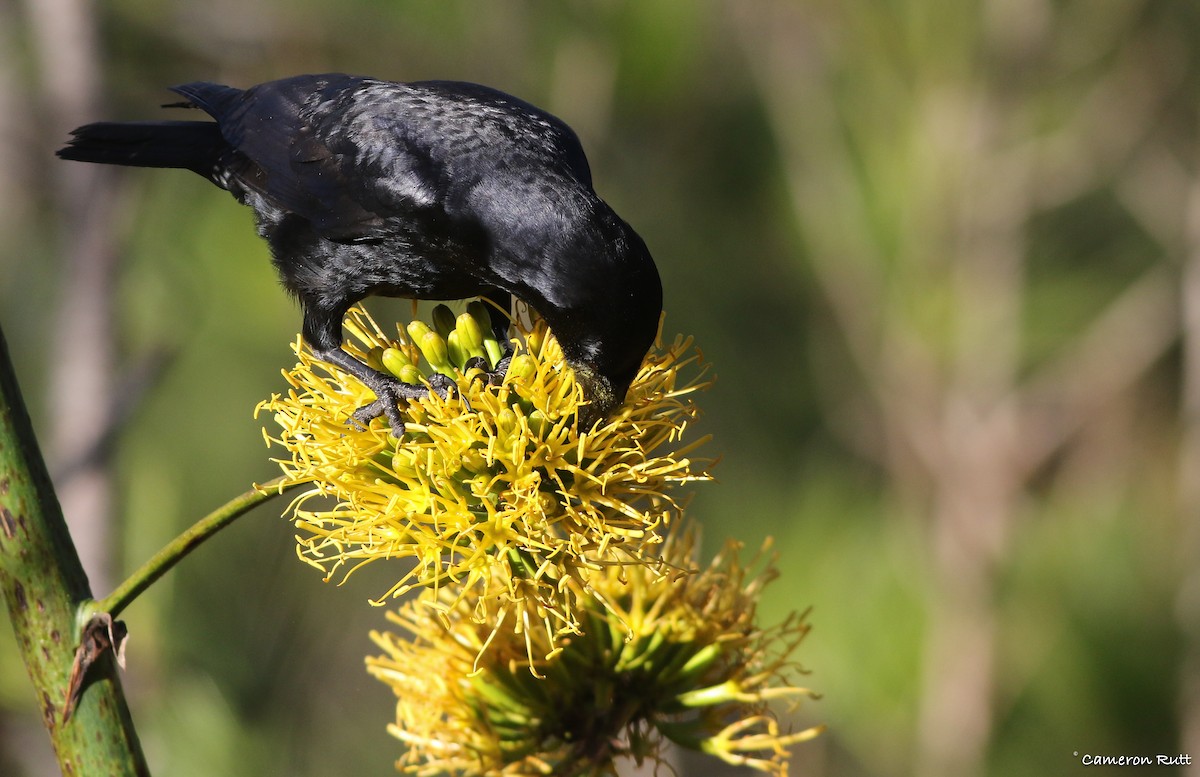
x=659, y=657
x=494, y=490
x=562, y=621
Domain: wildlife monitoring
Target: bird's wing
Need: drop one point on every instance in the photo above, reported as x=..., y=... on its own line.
x=319, y=147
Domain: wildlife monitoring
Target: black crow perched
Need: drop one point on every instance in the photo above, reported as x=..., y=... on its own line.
x=427, y=190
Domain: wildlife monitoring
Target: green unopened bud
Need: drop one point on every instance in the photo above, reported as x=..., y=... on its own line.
x=641, y=651
x=533, y=341
x=522, y=367
x=404, y=462
x=375, y=358
x=470, y=331
x=716, y=694
x=410, y=373
x=497, y=696
x=394, y=360
x=482, y=313
x=474, y=461
x=416, y=330
x=454, y=349
x=506, y=420
x=538, y=423
x=433, y=346
x=443, y=320
x=493, y=350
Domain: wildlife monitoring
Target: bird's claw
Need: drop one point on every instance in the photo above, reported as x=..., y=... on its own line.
x=389, y=392
x=444, y=386
x=388, y=407
x=492, y=377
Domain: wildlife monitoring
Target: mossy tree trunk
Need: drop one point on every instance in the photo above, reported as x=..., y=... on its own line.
x=43, y=585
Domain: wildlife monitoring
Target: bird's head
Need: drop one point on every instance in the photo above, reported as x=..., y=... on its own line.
x=613, y=315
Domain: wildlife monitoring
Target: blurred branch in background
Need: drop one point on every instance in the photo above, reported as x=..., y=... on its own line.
x=82, y=369
x=916, y=175
x=1187, y=604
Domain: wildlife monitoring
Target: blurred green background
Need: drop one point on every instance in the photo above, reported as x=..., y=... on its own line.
x=944, y=256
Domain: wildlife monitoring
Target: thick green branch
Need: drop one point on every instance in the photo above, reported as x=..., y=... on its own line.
x=43, y=585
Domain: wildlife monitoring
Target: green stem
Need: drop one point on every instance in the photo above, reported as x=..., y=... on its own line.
x=43, y=584
x=182, y=545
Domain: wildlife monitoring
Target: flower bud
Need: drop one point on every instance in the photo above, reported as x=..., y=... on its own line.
x=375, y=358
x=410, y=374
x=522, y=367
x=506, y=421
x=455, y=351
x=416, y=330
x=404, y=462
x=394, y=360
x=493, y=350
x=470, y=333
x=538, y=423
x=433, y=346
x=475, y=462
x=481, y=312
x=443, y=320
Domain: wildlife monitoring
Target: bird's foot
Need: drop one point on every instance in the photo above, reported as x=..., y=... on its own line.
x=363, y=416
x=494, y=376
x=388, y=393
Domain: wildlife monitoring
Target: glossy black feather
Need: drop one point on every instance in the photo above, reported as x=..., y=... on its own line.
x=433, y=190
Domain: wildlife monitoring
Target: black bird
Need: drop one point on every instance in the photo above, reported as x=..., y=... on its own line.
x=427, y=190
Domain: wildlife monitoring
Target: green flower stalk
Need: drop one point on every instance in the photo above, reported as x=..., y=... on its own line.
x=494, y=493
x=659, y=657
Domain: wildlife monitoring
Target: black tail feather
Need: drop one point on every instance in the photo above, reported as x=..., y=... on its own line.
x=217, y=100
x=187, y=145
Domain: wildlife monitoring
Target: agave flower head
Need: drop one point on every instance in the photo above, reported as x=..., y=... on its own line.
x=658, y=658
x=494, y=492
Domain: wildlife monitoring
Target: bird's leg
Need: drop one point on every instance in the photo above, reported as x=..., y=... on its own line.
x=388, y=390
x=323, y=333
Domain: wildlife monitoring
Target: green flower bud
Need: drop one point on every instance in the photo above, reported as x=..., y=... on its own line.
x=433, y=346
x=470, y=332
x=410, y=373
x=455, y=350
x=499, y=698
x=493, y=350
x=538, y=423
x=641, y=651
x=481, y=312
x=394, y=360
x=715, y=694
x=443, y=320
x=474, y=461
x=522, y=367
x=375, y=358
x=416, y=330
x=506, y=421
x=700, y=661
x=404, y=462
